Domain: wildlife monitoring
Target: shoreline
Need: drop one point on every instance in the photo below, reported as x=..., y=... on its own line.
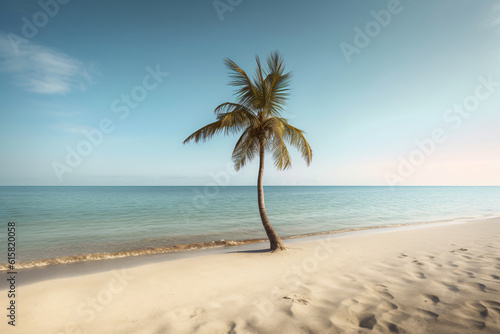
x=204, y=246
x=80, y=268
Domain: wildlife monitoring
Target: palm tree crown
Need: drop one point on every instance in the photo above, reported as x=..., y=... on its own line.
x=257, y=114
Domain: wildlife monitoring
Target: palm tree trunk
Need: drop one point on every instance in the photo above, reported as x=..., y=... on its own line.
x=274, y=239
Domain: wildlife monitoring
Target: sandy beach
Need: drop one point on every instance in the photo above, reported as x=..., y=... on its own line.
x=250, y=167
x=434, y=279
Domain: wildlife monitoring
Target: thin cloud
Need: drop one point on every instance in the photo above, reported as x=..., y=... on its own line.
x=41, y=69
x=70, y=128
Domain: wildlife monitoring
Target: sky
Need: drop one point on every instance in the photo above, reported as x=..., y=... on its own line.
x=388, y=92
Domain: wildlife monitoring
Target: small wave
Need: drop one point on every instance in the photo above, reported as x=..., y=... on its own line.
x=117, y=255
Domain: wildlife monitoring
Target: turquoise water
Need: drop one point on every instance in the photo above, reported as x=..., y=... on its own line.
x=64, y=221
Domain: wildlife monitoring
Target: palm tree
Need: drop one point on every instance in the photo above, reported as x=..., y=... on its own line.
x=257, y=113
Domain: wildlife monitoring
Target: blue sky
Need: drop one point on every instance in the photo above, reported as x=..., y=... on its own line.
x=388, y=92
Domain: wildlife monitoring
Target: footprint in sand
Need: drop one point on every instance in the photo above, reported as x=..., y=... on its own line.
x=297, y=299
x=471, y=312
x=479, y=286
x=428, y=314
x=453, y=265
x=368, y=322
x=381, y=289
x=387, y=306
x=420, y=275
x=451, y=287
x=186, y=314
x=459, y=250
x=475, y=323
x=493, y=309
x=392, y=328
x=417, y=262
x=435, y=299
x=478, y=308
x=357, y=313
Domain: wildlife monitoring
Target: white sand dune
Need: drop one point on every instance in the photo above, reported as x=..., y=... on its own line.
x=439, y=279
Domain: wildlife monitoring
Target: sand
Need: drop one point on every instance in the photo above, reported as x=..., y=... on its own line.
x=437, y=279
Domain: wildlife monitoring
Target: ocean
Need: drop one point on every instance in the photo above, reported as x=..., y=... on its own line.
x=67, y=224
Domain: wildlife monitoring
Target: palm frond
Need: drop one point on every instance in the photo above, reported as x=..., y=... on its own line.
x=236, y=120
x=246, y=148
x=278, y=84
x=246, y=91
x=229, y=107
x=296, y=138
x=227, y=122
x=206, y=132
x=277, y=146
x=261, y=87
